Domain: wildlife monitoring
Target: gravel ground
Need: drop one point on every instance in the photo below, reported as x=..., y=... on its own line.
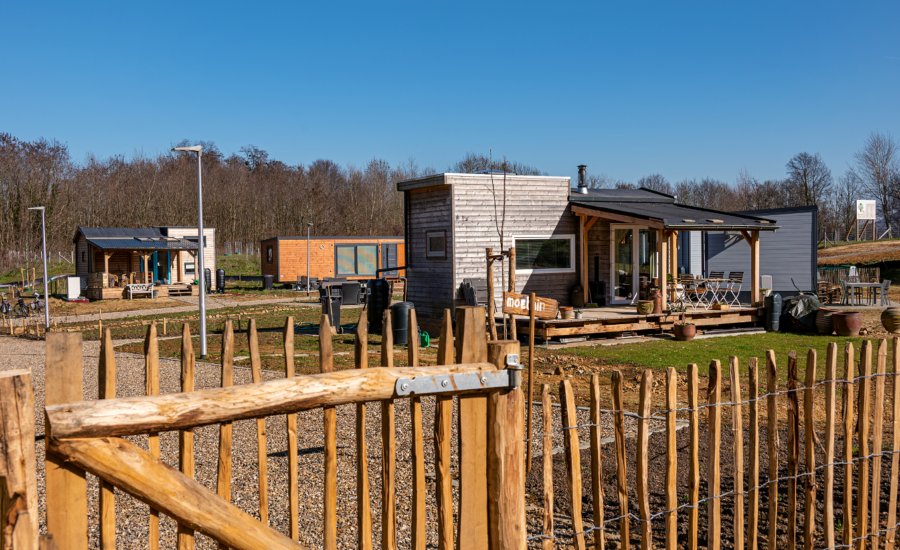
x=132, y=515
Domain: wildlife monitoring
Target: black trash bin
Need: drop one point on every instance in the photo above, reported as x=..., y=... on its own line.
x=773, y=312
x=267, y=282
x=334, y=316
x=400, y=322
x=380, y=300
x=220, y=281
x=207, y=279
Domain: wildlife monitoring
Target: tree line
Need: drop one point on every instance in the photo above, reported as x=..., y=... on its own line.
x=249, y=196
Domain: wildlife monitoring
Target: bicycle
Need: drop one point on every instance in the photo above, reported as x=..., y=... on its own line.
x=5, y=306
x=36, y=306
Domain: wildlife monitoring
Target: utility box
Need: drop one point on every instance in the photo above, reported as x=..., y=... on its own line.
x=73, y=288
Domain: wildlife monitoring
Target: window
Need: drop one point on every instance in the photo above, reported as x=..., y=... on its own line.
x=436, y=245
x=545, y=253
x=83, y=256
x=194, y=239
x=189, y=268
x=269, y=254
x=356, y=259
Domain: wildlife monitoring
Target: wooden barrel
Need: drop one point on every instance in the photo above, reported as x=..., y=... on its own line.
x=824, y=322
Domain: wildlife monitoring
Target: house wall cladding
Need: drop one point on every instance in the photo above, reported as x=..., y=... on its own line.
x=209, y=253
x=534, y=206
x=289, y=256
x=788, y=253
x=430, y=282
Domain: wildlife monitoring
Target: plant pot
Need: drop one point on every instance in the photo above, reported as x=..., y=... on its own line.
x=847, y=323
x=578, y=314
x=824, y=322
x=890, y=318
x=656, y=297
x=566, y=312
x=645, y=307
x=685, y=333
x=721, y=307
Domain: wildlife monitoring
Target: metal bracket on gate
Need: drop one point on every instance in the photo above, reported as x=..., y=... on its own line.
x=508, y=378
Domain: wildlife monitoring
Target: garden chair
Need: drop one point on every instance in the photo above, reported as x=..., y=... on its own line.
x=885, y=288
x=733, y=287
x=845, y=297
x=691, y=292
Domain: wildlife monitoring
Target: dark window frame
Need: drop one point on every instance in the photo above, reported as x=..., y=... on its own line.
x=434, y=256
x=354, y=246
x=269, y=253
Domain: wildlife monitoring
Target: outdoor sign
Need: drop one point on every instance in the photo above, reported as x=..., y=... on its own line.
x=517, y=304
x=865, y=210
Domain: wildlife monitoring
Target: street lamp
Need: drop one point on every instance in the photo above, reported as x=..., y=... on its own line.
x=200, y=244
x=308, y=225
x=44, y=240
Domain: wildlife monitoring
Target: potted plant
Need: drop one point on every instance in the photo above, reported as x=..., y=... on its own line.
x=721, y=306
x=644, y=307
x=684, y=331
x=578, y=314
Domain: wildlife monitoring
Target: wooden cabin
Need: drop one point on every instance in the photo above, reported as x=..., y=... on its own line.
x=108, y=258
x=351, y=257
x=608, y=242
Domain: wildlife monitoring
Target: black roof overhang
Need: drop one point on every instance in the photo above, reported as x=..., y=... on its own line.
x=660, y=216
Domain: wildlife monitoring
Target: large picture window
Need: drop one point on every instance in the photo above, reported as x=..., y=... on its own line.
x=356, y=260
x=545, y=253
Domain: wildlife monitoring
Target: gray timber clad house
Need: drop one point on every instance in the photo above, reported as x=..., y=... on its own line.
x=617, y=239
x=792, y=253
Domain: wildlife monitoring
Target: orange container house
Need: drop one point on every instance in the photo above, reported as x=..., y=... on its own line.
x=351, y=257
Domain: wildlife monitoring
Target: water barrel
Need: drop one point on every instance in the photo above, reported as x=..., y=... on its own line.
x=220, y=281
x=380, y=300
x=773, y=312
x=400, y=322
x=207, y=276
x=335, y=315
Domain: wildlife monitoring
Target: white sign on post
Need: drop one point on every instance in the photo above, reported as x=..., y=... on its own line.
x=865, y=210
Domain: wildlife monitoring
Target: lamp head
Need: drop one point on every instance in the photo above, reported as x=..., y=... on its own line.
x=37, y=208
x=191, y=149
x=308, y=224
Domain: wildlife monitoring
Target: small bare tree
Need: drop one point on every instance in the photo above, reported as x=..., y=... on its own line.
x=876, y=164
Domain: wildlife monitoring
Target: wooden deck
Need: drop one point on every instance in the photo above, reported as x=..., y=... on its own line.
x=612, y=321
x=119, y=293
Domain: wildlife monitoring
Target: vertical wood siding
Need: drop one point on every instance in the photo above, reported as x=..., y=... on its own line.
x=431, y=281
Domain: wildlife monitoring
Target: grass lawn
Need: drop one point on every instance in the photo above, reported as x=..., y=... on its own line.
x=239, y=264
x=54, y=268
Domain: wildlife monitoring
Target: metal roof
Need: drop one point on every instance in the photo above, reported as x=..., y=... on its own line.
x=120, y=232
x=669, y=215
x=641, y=194
x=156, y=242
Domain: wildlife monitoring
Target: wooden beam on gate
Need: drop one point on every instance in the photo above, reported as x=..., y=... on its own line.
x=652, y=224
x=178, y=411
x=145, y=477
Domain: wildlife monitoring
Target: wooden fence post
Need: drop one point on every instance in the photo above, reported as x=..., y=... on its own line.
x=694, y=467
x=417, y=454
x=66, y=488
x=737, y=436
x=443, y=428
x=506, y=456
x=573, y=459
x=471, y=347
x=388, y=445
x=809, y=395
x=107, y=390
x=18, y=477
x=714, y=423
x=753, y=497
x=326, y=364
x=596, y=464
x=363, y=503
x=877, y=438
x=618, y=399
x=186, y=437
x=223, y=477
x=793, y=448
x=151, y=387
x=547, y=466
x=862, y=440
x=772, y=436
x=891, y=537
x=830, y=375
x=643, y=458
x=847, y=455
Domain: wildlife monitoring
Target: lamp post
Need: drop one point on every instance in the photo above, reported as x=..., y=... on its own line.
x=201, y=244
x=46, y=286
x=308, y=225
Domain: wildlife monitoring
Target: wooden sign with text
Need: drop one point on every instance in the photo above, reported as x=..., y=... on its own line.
x=517, y=304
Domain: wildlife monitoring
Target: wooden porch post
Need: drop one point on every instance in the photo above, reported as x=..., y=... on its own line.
x=144, y=258
x=673, y=255
x=755, y=297
x=661, y=266
x=179, y=277
x=106, y=256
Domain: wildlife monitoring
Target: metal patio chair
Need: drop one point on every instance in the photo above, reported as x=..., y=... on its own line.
x=885, y=288
x=733, y=287
x=691, y=292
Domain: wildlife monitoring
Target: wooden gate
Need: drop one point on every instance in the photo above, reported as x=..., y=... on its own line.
x=88, y=436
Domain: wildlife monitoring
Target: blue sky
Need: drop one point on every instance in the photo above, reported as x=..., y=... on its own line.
x=684, y=89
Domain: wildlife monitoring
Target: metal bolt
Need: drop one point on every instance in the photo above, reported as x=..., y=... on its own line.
x=404, y=387
x=445, y=383
x=484, y=379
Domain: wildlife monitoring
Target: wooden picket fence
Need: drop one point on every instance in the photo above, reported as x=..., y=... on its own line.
x=874, y=527
x=87, y=437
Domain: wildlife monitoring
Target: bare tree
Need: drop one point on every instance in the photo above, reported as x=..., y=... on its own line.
x=810, y=177
x=656, y=182
x=876, y=165
x=472, y=163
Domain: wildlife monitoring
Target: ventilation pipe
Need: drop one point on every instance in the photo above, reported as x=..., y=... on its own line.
x=582, y=184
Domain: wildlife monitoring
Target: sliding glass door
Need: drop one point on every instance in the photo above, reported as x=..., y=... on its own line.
x=634, y=262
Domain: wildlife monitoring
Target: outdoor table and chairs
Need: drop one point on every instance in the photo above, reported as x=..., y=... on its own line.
x=706, y=292
x=852, y=292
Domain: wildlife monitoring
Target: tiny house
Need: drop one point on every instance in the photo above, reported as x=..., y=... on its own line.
x=351, y=257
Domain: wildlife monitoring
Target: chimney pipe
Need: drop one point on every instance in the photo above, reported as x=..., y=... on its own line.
x=582, y=185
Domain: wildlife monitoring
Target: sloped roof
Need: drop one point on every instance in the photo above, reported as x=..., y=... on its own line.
x=132, y=238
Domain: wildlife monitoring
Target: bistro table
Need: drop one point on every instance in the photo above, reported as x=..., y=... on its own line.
x=713, y=287
x=851, y=286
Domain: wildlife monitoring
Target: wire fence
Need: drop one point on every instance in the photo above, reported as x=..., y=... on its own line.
x=861, y=517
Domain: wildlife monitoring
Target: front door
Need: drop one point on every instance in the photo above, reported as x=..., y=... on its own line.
x=634, y=265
